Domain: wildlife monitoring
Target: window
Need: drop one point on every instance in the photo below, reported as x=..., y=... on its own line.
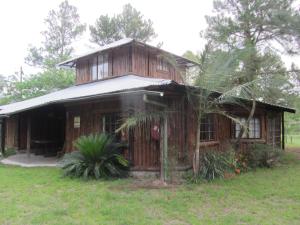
x=207, y=128
x=274, y=130
x=94, y=68
x=99, y=67
x=76, y=121
x=110, y=123
x=162, y=64
x=102, y=66
x=253, y=128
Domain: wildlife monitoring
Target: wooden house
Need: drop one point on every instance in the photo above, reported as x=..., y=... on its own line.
x=114, y=82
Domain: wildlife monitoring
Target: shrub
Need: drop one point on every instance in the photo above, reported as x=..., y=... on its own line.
x=214, y=164
x=97, y=157
x=260, y=155
x=266, y=155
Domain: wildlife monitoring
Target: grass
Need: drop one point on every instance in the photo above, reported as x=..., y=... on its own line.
x=42, y=196
x=293, y=141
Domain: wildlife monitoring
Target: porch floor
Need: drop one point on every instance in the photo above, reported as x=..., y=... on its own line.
x=23, y=160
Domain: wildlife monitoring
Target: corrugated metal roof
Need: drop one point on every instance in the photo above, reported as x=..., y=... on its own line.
x=69, y=62
x=113, y=85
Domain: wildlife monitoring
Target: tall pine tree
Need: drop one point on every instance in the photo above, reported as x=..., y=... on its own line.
x=130, y=23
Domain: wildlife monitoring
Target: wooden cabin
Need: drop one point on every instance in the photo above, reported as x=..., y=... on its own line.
x=116, y=81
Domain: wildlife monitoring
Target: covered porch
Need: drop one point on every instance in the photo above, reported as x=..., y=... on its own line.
x=39, y=131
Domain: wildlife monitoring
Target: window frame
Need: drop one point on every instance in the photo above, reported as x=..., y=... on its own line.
x=162, y=65
x=116, y=124
x=274, y=130
x=211, y=128
x=256, y=121
x=99, y=67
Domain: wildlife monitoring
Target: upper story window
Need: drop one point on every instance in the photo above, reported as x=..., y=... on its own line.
x=254, y=128
x=162, y=65
x=99, y=67
x=207, y=128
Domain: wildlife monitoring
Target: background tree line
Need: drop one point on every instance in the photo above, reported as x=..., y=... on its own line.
x=246, y=39
x=62, y=28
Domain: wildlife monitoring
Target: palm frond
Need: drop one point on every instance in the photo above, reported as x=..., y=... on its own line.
x=141, y=118
x=97, y=157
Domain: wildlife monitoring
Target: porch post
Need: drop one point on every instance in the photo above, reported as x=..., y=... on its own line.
x=282, y=135
x=164, y=148
x=3, y=127
x=28, y=135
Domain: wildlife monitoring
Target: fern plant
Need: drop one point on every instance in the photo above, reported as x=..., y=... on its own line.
x=97, y=157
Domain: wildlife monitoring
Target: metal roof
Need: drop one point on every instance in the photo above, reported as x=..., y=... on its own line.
x=115, y=85
x=85, y=91
x=71, y=62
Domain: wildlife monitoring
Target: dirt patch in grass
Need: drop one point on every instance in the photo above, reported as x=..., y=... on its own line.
x=147, y=183
x=152, y=184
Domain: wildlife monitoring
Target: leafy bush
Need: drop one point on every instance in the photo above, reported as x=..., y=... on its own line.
x=265, y=155
x=260, y=155
x=97, y=157
x=214, y=164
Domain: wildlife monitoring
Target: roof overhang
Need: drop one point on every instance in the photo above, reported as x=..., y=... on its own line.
x=126, y=41
x=100, y=96
x=266, y=104
x=122, y=86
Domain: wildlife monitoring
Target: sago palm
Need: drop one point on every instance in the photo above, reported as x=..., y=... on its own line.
x=97, y=157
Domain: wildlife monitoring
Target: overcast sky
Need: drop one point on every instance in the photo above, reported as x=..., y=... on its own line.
x=177, y=24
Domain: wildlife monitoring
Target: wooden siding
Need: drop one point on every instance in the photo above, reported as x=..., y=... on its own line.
x=129, y=60
x=119, y=63
x=83, y=72
x=274, y=128
x=11, y=132
x=23, y=131
x=143, y=150
x=145, y=64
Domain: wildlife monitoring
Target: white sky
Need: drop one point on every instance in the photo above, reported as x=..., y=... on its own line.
x=177, y=24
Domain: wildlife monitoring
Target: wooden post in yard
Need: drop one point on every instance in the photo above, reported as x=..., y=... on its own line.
x=282, y=127
x=164, y=148
x=28, y=135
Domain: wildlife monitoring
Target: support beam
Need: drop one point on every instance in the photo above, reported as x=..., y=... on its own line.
x=282, y=132
x=164, y=148
x=28, y=142
x=3, y=127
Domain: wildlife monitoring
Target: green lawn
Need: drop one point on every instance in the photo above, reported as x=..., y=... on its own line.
x=293, y=141
x=42, y=196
